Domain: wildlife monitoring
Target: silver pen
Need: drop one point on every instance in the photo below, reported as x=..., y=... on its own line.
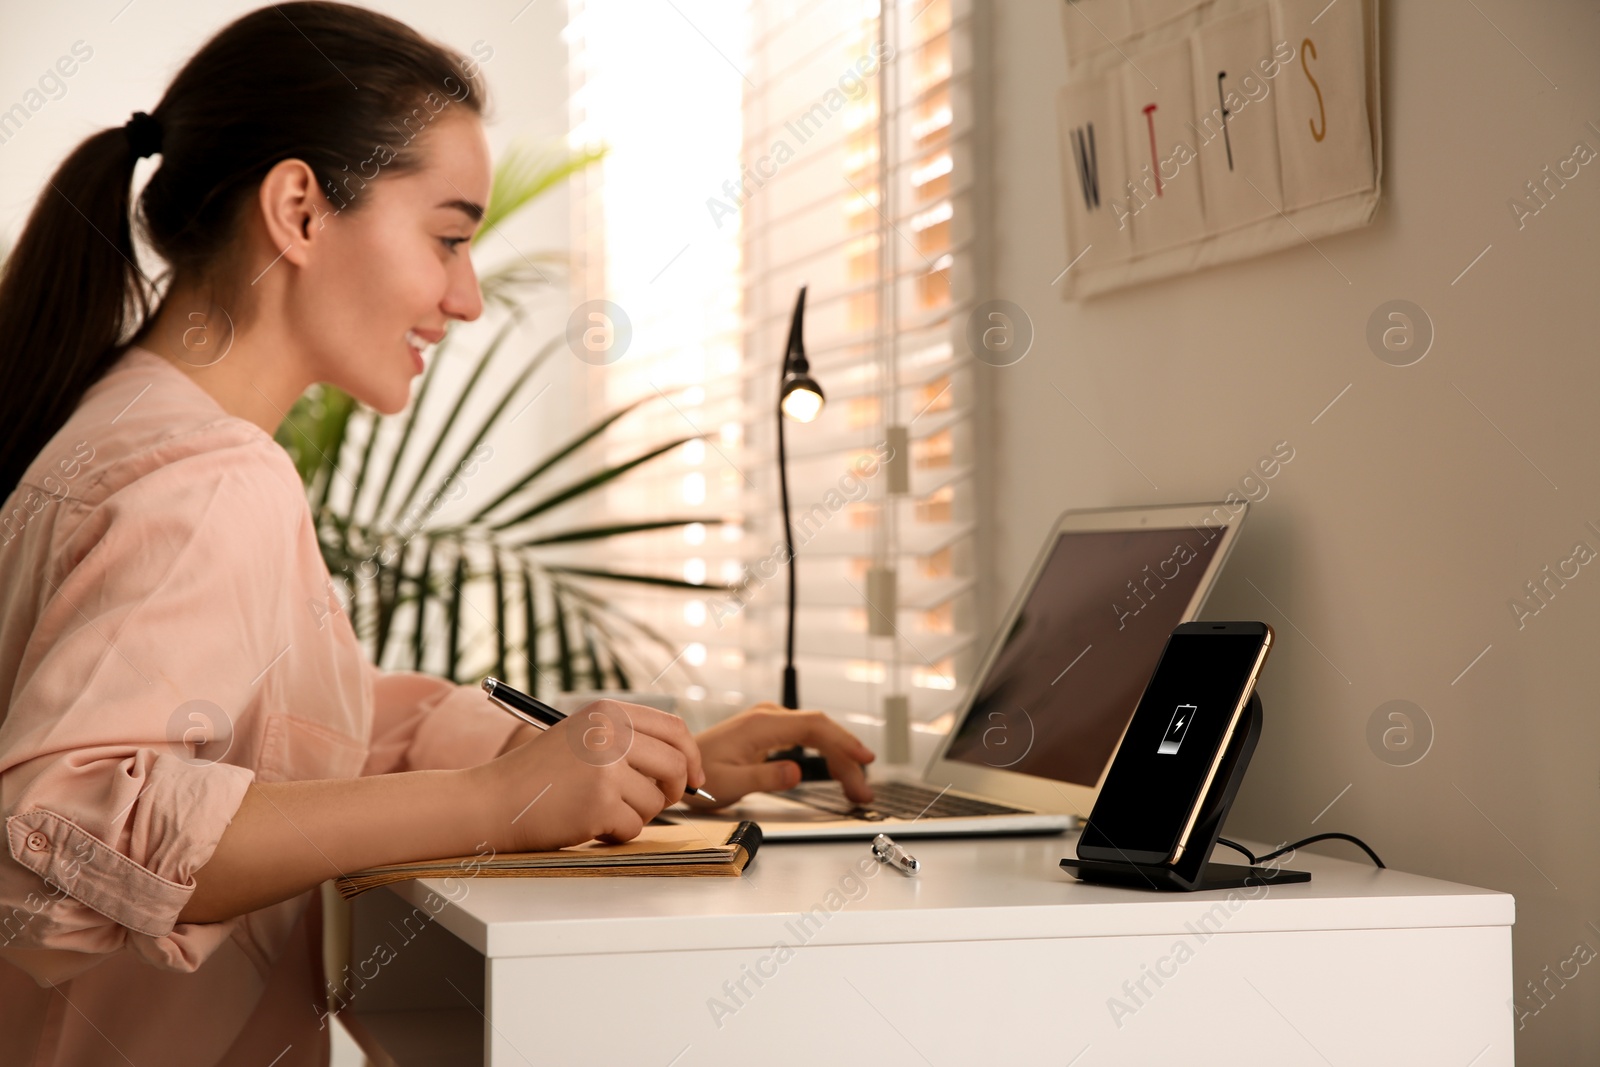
x=888, y=851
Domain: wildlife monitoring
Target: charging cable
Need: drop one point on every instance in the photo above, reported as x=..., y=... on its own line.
x=1254, y=859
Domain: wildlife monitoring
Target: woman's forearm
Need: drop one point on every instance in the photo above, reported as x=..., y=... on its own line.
x=289, y=836
x=545, y=790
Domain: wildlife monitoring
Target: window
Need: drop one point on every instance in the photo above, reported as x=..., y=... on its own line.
x=821, y=142
x=660, y=86
x=867, y=106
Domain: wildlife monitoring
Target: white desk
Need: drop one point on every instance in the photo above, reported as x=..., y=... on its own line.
x=991, y=955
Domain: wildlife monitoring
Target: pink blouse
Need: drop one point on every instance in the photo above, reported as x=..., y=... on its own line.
x=169, y=634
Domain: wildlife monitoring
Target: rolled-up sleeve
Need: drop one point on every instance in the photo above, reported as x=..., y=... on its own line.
x=424, y=722
x=119, y=764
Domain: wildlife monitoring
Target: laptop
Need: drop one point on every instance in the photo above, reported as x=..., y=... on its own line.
x=1037, y=731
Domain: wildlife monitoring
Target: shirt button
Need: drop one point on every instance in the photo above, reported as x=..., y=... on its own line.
x=38, y=842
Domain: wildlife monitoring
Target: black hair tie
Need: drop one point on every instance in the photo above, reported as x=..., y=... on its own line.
x=144, y=134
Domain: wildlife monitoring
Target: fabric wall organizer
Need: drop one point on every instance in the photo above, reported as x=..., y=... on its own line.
x=1197, y=133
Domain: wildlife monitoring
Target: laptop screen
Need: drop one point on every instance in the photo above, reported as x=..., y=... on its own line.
x=1067, y=679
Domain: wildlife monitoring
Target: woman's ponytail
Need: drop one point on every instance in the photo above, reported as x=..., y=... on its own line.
x=68, y=290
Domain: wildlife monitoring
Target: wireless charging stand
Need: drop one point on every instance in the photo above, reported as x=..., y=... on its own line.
x=1194, y=872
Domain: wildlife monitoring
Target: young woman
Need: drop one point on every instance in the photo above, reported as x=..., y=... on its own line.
x=187, y=751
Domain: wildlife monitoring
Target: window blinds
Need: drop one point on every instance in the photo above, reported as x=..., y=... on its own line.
x=857, y=183
x=824, y=142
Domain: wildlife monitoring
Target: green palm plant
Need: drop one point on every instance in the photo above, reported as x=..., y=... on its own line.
x=409, y=583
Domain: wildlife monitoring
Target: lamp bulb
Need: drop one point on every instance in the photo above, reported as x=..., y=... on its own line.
x=802, y=405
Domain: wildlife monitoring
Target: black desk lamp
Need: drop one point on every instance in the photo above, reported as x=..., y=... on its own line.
x=799, y=398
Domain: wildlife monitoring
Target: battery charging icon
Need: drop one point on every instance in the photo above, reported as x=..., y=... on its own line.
x=1176, y=729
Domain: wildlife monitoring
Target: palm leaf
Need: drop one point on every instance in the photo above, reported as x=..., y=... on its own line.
x=419, y=632
x=569, y=677
x=506, y=286
x=590, y=652
x=499, y=618
x=372, y=421
x=624, y=620
x=601, y=639
x=639, y=579
x=493, y=417
x=417, y=404
x=452, y=653
x=589, y=434
x=529, y=616
x=589, y=484
x=606, y=615
x=521, y=177
x=387, y=585
x=341, y=406
x=615, y=529
x=310, y=432
x=455, y=411
x=617, y=671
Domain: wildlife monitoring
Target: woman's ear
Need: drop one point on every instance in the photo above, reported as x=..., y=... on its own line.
x=293, y=210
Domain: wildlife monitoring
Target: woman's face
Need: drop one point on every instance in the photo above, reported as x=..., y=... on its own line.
x=395, y=267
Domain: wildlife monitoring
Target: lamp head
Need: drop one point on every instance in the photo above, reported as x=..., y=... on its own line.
x=800, y=397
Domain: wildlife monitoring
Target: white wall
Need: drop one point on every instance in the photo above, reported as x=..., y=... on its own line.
x=1391, y=544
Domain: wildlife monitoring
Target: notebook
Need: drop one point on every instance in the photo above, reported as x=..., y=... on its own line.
x=660, y=849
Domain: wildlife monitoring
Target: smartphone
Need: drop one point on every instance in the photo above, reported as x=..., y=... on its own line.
x=1174, y=746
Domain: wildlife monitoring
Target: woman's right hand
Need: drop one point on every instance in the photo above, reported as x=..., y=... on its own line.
x=602, y=772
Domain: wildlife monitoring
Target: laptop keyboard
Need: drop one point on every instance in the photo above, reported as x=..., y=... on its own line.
x=899, y=800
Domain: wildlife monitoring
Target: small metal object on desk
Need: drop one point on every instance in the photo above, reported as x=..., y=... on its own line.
x=891, y=853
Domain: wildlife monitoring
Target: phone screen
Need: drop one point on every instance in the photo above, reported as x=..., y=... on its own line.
x=1171, y=744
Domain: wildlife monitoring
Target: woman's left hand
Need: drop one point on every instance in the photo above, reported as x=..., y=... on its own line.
x=734, y=754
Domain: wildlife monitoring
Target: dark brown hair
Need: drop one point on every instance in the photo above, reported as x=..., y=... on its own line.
x=339, y=87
